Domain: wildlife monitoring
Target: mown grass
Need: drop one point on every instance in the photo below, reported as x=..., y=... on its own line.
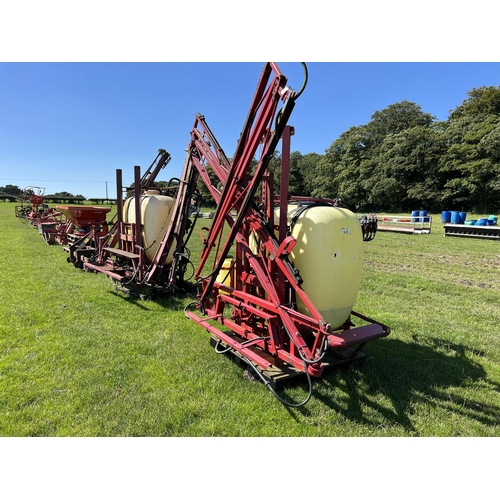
x=78, y=358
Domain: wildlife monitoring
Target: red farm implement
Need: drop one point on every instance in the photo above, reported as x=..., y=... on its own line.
x=138, y=251
x=83, y=227
x=80, y=226
x=278, y=275
x=33, y=209
x=283, y=303
x=86, y=232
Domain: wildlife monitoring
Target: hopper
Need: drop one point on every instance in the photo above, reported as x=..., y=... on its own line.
x=84, y=216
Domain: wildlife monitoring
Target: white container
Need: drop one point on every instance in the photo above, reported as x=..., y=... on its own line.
x=156, y=212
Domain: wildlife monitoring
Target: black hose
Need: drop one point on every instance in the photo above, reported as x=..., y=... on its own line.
x=308, y=361
x=275, y=394
x=229, y=348
x=190, y=304
x=304, y=84
x=295, y=97
x=262, y=378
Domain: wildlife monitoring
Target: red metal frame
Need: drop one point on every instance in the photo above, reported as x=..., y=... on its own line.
x=120, y=253
x=264, y=326
x=255, y=316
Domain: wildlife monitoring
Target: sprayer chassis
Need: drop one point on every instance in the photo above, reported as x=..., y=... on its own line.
x=256, y=318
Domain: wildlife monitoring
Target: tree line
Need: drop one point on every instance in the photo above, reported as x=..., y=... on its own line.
x=17, y=192
x=14, y=193
x=403, y=159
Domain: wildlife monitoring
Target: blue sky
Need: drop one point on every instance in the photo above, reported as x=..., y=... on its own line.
x=73, y=108
x=69, y=126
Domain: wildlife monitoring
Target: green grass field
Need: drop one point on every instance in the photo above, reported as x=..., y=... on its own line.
x=79, y=358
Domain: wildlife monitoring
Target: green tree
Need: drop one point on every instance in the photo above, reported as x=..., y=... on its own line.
x=383, y=165
x=408, y=170
x=63, y=194
x=471, y=164
x=338, y=171
x=11, y=189
x=482, y=101
x=308, y=165
x=394, y=119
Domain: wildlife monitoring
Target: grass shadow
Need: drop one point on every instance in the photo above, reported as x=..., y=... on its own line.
x=167, y=299
x=136, y=300
x=408, y=374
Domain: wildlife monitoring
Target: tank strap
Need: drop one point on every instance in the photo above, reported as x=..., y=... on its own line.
x=303, y=206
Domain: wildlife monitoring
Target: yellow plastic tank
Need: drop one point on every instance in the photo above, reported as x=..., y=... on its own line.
x=156, y=211
x=329, y=256
x=226, y=274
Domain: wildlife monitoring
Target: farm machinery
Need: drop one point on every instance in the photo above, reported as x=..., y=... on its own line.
x=96, y=240
x=62, y=224
x=32, y=207
x=278, y=275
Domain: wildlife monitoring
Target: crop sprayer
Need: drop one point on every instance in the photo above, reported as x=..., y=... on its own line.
x=278, y=275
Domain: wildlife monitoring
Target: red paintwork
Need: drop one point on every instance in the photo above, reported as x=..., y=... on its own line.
x=266, y=328
x=84, y=216
x=261, y=322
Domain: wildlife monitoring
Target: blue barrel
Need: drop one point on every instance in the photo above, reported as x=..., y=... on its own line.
x=455, y=217
x=481, y=222
x=423, y=216
x=446, y=217
x=463, y=216
x=414, y=216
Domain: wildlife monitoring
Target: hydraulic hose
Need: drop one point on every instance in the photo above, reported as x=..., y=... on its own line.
x=296, y=96
x=304, y=83
x=275, y=394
